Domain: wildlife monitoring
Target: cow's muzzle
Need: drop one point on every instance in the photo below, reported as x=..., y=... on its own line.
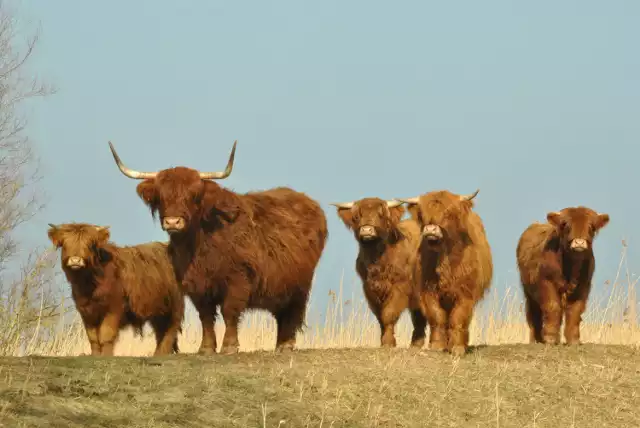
x=579, y=245
x=367, y=233
x=432, y=233
x=173, y=224
x=75, y=263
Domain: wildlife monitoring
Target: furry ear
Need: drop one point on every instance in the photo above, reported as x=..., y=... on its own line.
x=601, y=221
x=103, y=234
x=218, y=202
x=555, y=218
x=147, y=192
x=346, y=215
x=396, y=214
x=54, y=236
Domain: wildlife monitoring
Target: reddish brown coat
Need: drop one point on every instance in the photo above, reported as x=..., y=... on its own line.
x=238, y=251
x=454, y=266
x=387, y=251
x=114, y=287
x=556, y=265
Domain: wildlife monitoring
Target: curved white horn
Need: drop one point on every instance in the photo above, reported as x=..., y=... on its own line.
x=227, y=171
x=394, y=203
x=410, y=201
x=469, y=197
x=131, y=173
x=344, y=205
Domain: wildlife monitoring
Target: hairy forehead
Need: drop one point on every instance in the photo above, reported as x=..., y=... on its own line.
x=370, y=204
x=177, y=177
x=579, y=214
x=78, y=233
x=438, y=200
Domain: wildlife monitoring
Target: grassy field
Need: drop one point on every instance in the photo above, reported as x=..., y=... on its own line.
x=502, y=386
x=339, y=377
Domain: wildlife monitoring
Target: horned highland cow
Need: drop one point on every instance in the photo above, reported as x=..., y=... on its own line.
x=556, y=265
x=114, y=287
x=387, y=252
x=454, y=267
x=238, y=251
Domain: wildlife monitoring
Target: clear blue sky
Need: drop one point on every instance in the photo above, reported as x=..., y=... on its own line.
x=537, y=104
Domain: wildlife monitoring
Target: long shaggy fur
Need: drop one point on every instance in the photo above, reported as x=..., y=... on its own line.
x=240, y=251
x=454, y=275
x=556, y=280
x=120, y=286
x=385, y=265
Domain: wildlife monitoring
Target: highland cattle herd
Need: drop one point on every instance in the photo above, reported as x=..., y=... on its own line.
x=259, y=250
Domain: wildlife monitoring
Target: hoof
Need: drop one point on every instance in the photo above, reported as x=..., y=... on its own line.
x=550, y=340
x=458, y=351
x=418, y=344
x=229, y=350
x=207, y=352
x=285, y=347
x=436, y=347
x=388, y=345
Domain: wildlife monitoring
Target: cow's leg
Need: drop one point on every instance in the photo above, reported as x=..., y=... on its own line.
x=551, y=312
x=438, y=320
x=289, y=322
x=534, y=319
x=108, y=332
x=573, y=318
x=419, y=322
x=166, y=331
x=232, y=309
x=94, y=341
x=459, y=320
x=392, y=308
x=207, y=315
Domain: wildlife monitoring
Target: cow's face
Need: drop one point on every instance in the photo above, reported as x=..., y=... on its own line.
x=371, y=219
x=577, y=228
x=178, y=194
x=174, y=195
x=441, y=215
x=81, y=244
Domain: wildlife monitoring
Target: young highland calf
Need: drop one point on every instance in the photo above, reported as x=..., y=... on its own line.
x=556, y=264
x=385, y=263
x=115, y=287
x=454, y=267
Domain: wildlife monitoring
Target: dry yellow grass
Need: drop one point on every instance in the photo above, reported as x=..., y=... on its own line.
x=610, y=320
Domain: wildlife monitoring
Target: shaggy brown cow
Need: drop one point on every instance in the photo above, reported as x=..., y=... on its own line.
x=385, y=263
x=454, y=266
x=115, y=287
x=239, y=251
x=556, y=264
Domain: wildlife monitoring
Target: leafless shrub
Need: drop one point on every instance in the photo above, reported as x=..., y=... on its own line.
x=28, y=302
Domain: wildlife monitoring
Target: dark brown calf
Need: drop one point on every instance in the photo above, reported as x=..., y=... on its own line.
x=237, y=251
x=115, y=287
x=454, y=266
x=385, y=263
x=556, y=264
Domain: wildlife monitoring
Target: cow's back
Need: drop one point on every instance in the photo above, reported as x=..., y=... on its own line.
x=148, y=278
x=290, y=223
x=480, y=251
